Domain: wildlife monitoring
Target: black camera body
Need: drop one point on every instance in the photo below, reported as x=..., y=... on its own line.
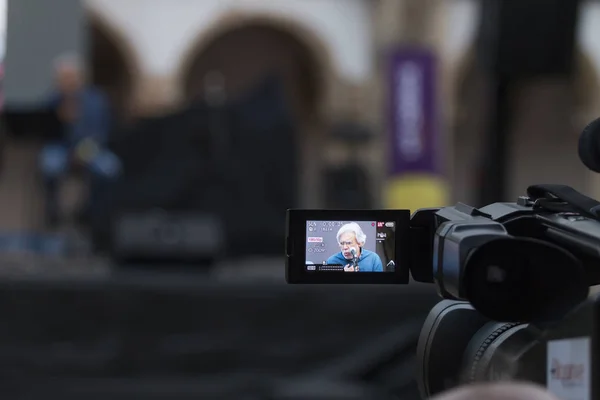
x=514, y=277
x=516, y=280
x=458, y=345
x=511, y=260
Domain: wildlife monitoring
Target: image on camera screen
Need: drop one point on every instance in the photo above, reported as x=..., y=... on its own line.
x=350, y=246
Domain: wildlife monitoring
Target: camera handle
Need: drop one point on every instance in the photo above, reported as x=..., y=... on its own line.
x=562, y=193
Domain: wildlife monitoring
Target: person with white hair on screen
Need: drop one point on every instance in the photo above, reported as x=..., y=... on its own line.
x=84, y=117
x=351, y=237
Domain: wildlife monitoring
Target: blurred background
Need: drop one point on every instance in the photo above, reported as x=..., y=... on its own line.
x=145, y=258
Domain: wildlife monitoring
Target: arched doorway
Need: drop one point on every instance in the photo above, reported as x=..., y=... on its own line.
x=110, y=66
x=245, y=54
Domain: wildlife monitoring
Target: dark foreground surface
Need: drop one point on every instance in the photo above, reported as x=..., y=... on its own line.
x=236, y=333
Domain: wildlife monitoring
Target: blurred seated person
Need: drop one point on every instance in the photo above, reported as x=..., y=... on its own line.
x=79, y=139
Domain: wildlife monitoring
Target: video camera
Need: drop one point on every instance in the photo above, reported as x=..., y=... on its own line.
x=514, y=277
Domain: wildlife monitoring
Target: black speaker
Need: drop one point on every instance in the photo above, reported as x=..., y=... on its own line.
x=176, y=164
x=528, y=38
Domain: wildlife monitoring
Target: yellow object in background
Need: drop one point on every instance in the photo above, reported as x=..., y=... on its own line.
x=416, y=191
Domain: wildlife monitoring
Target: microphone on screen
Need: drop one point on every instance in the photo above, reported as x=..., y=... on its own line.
x=354, y=258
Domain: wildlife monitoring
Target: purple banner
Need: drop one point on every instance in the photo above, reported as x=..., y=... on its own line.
x=413, y=112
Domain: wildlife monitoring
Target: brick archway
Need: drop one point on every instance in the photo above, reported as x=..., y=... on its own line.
x=258, y=45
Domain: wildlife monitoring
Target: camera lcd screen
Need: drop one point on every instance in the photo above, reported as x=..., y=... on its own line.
x=348, y=246
x=351, y=246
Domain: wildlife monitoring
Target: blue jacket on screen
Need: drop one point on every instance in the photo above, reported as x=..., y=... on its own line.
x=367, y=262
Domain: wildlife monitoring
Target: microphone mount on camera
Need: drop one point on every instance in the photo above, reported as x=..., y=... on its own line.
x=561, y=198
